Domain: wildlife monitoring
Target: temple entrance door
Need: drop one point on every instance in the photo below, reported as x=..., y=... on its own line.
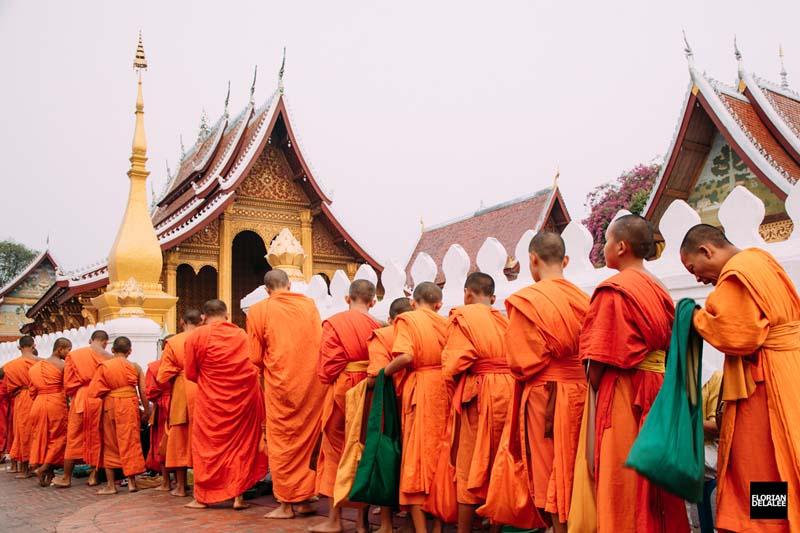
x=249, y=265
x=193, y=290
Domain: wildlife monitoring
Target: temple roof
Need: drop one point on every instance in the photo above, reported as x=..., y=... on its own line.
x=758, y=119
x=506, y=222
x=41, y=258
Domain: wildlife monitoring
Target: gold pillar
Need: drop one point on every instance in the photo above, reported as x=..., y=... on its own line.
x=306, y=219
x=224, y=273
x=172, y=289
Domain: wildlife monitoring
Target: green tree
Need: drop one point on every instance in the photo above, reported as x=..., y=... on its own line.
x=13, y=258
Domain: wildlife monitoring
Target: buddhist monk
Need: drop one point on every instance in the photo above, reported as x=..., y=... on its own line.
x=544, y=324
x=84, y=412
x=159, y=397
x=753, y=317
x=624, y=338
x=227, y=439
x=120, y=384
x=18, y=382
x=5, y=417
x=343, y=362
x=474, y=357
x=285, y=335
x=420, y=336
x=379, y=347
x=49, y=412
x=172, y=373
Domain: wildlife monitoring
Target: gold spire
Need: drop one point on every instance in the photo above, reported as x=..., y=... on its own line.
x=135, y=259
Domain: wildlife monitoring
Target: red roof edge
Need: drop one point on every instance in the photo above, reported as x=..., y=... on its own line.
x=773, y=129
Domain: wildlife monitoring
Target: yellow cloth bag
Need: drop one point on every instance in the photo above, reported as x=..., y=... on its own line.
x=355, y=401
x=583, y=510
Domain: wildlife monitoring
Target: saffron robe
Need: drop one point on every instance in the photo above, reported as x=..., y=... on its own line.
x=545, y=322
x=158, y=395
x=475, y=356
x=181, y=404
x=115, y=381
x=285, y=334
x=630, y=316
x=425, y=405
x=17, y=382
x=48, y=414
x=227, y=441
x=343, y=361
x=379, y=347
x=753, y=316
x=5, y=417
x=79, y=368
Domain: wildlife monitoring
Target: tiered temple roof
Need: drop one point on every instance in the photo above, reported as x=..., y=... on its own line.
x=506, y=222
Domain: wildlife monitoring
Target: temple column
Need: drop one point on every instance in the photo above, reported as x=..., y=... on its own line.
x=224, y=273
x=305, y=239
x=171, y=279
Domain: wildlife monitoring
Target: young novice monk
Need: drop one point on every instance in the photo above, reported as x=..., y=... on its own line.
x=172, y=373
x=84, y=412
x=158, y=395
x=544, y=324
x=49, y=412
x=475, y=357
x=227, y=451
x=17, y=382
x=120, y=384
x=343, y=361
x=624, y=338
x=753, y=316
x=419, y=338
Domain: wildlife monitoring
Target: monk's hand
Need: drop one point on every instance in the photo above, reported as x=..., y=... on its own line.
x=145, y=414
x=370, y=382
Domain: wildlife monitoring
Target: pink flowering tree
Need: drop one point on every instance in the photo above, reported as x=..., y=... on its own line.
x=629, y=191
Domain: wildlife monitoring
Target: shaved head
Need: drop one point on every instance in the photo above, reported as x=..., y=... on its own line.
x=549, y=247
x=26, y=342
x=193, y=317
x=215, y=308
x=121, y=345
x=637, y=232
x=362, y=290
x=427, y=292
x=98, y=335
x=399, y=306
x=61, y=344
x=480, y=283
x=276, y=279
x=703, y=234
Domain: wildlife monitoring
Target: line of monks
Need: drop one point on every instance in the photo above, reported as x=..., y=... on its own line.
x=534, y=411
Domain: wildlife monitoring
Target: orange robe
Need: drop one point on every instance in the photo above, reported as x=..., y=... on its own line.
x=79, y=368
x=227, y=451
x=5, y=417
x=17, y=383
x=630, y=317
x=475, y=356
x=48, y=414
x=285, y=334
x=545, y=322
x=115, y=382
x=753, y=316
x=181, y=406
x=425, y=405
x=379, y=347
x=343, y=362
x=159, y=396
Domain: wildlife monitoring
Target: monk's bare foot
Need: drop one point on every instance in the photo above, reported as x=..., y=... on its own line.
x=164, y=487
x=178, y=493
x=24, y=475
x=329, y=526
x=40, y=474
x=60, y=483
x=304, y=509
x=283, y=512
x=376, y=510
x=107, y=491
x=238, y=503
x=194, y=504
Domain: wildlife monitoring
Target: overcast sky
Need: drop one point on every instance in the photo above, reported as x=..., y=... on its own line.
x=405, y=110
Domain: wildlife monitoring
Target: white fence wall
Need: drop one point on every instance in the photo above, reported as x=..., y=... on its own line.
x=740, y=215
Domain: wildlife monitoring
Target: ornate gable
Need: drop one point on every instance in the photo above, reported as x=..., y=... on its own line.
x=270, y=178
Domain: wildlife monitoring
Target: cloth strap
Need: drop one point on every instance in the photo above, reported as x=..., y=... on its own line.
x=425, y=368
x=54, y=389
x=654, y=362
x=357, y=366
x=123, y=392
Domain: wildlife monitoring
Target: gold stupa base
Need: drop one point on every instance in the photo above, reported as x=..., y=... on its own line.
x=154, y=305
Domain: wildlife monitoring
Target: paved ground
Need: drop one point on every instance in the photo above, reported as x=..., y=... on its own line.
x=26, y=507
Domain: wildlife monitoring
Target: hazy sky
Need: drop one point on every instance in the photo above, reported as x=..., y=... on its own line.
x=404, y=109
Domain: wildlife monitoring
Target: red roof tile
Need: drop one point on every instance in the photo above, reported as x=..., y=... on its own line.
x=788, y=108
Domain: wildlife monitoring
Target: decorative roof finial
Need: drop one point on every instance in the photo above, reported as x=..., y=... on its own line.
x=555, y=178
x=421, y=225
x=736, y=50
x=139, y=61
x=169, y=172
x=687, y=49
x=253, y=86
x=281, y=71
x=152, y=194
x=227, y=98
x=740, y=66
x=183, y=148
x=204, y=129
x=784, y=80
